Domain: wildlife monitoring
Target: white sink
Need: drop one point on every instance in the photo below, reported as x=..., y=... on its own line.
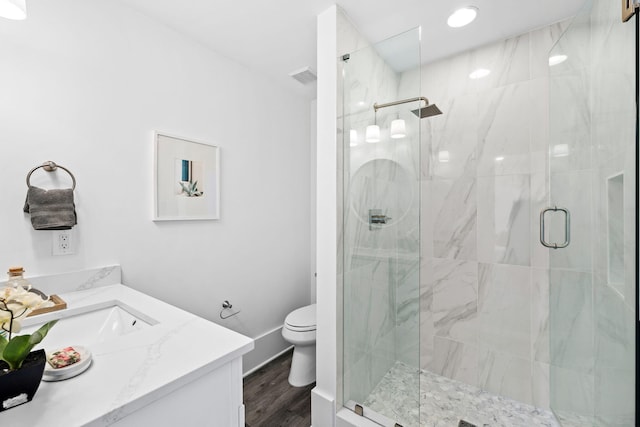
x=92, y=325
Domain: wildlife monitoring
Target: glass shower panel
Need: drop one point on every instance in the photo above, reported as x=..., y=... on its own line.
x=592, y=175
x=381, y=245
x=570, y=278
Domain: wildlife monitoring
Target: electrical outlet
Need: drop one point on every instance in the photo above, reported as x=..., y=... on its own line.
x=62, y=242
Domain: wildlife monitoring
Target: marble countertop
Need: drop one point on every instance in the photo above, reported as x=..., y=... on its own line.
x=132, y=370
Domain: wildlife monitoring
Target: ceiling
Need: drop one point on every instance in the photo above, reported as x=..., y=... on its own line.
x=277, y=37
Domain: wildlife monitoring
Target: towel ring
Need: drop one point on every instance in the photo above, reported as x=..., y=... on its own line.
x=51, y=166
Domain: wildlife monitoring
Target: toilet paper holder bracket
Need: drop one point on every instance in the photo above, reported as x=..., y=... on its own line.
x=226, y=305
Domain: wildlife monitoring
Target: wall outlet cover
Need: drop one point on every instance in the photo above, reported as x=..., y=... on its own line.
x=62, y=242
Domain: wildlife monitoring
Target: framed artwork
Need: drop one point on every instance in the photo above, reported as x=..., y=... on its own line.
x=187, y=179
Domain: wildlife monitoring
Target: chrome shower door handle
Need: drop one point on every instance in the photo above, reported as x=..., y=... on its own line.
x=567, y=228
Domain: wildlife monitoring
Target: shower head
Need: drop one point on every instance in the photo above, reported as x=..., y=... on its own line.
x=427, y=111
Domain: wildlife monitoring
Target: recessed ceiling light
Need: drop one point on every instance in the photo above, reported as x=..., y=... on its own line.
x=557, y=59
x=479, y=73
x=462, y=17
x=499, y=158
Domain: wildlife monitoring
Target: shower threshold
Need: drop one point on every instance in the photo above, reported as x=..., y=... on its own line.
x=445, y=403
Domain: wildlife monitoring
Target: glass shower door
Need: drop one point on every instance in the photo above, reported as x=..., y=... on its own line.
x=381, y=237
x=592, y=282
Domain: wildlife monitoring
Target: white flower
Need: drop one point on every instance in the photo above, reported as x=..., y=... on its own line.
x=14, y=327
x=16, y=304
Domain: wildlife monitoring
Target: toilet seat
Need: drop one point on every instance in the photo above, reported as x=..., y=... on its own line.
x=302, y=319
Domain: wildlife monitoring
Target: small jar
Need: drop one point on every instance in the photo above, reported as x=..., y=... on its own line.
x=16, y=278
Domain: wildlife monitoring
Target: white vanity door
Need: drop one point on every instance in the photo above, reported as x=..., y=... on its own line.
x=213, y=400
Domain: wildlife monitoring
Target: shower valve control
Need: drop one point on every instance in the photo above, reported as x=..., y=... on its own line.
x=376, y=217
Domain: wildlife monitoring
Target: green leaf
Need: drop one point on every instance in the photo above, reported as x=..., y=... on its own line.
x=39, y=335
x=3, y=344
x=16, y=350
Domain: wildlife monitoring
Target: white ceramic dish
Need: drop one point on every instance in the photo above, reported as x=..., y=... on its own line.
x=59, y=374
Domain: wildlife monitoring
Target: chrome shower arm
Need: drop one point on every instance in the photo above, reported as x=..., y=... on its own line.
x=377, y=106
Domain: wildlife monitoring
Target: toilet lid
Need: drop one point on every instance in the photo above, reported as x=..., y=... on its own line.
x=304, y=317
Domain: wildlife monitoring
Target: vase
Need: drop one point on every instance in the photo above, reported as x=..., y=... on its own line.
x=20, y=385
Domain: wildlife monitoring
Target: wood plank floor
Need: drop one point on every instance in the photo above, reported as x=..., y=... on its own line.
x=270, y=401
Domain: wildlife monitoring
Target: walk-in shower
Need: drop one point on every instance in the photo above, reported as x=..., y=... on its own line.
x=453, y=312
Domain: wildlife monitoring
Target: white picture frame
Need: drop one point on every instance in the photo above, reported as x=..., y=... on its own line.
x=186, y=183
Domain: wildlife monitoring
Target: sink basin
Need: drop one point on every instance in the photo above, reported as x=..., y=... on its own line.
x=92, y=325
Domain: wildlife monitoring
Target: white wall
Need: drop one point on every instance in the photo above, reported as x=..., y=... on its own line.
x=86, y=83
x=323, y=396
x=313, y=137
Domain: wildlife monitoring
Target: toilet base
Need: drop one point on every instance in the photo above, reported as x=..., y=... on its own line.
x=303, y=365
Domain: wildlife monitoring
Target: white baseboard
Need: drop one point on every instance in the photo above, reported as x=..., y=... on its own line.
x=323, y=409
x=268, y=346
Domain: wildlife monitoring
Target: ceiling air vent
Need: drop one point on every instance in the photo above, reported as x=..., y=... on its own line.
x=304, y=75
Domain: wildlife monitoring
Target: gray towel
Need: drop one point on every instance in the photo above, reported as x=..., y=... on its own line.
x=51, y=209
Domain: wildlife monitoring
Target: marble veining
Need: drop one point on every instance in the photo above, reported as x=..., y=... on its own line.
x=455, y=221
x=571, y=320
x=454, y=133
x=540, y=315
x=504, y=299
x=153, y=355
x=569, y=419
x=509, y=59
x=539, y=186
x=455, y=360
x=504, y=230
x=504, y=130
x=443, y=402
x=505, y=374
x=101, y=277
x=455, y=298
x=77, y=281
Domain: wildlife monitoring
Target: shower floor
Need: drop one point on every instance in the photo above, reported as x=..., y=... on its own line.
x=444, y=402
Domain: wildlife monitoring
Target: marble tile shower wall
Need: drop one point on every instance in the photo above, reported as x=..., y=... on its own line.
x=484, y=284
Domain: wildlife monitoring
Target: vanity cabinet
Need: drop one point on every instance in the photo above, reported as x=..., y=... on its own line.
x=172, y=369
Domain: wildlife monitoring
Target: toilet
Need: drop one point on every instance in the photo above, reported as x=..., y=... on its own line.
x=300, y=330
